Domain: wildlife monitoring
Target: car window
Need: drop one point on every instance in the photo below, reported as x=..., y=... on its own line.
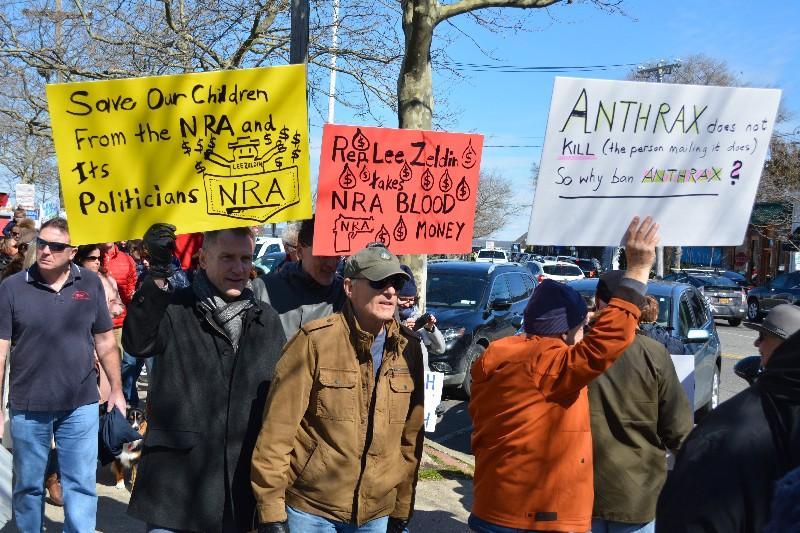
x=664, y=308
x=450, y=289
x=781, y=282
x=492, y=254
x=685, y=317
x=565, y=270
x=699, y=311
x=500, y=289
x=516, y=286
x=534, y=268
x=530, y=284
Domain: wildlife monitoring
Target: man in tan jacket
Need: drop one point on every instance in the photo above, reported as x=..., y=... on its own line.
x=341, y=440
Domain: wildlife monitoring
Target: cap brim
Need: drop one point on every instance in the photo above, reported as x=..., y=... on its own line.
x=762, y=329
x=383, y=271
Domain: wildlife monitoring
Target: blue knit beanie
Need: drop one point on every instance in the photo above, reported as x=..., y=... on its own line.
x=554, y=308
x=410, y=287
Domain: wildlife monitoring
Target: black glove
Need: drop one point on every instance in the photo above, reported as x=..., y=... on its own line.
x=159, y=242
x=274, y=527
x=396, y=525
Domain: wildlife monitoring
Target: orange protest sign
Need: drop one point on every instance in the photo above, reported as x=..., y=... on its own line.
x=412, y=190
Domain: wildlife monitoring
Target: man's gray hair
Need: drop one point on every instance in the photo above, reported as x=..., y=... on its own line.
x=289, y=236
x=210, y=237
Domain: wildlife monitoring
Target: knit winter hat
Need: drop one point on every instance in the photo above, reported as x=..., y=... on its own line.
x=410, y=287
x=608, y=284
x=554, y=308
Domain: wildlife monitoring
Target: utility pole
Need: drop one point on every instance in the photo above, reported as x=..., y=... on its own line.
x=334, y=44
x=659, y=70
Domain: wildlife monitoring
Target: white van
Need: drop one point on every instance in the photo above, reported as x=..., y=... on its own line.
x=267, y=245
x=491, y=256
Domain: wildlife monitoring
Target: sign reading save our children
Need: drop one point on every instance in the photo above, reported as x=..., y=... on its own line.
x=412, y=190
x=202, y=151
x=690, y=156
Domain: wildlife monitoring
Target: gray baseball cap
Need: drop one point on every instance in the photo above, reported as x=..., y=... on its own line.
x=782, y=321
x=375, y=262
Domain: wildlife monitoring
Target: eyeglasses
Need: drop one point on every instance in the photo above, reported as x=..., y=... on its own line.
x=15, y=234
x=54, y=246
x=92, y=258
x=395, y=281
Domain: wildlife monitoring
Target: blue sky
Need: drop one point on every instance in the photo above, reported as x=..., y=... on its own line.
x=758, y=40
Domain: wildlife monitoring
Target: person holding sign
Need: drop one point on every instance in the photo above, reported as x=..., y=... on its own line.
x=529, y=407
x=215, y=350
x=56, y=315
x=342, y=437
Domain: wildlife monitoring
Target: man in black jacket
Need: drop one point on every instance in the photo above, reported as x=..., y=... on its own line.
x=305, y=290
x=726, y=471
x=638, y=410
x=215, y=351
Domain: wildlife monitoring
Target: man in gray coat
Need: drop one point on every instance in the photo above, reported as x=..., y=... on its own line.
x=638, y=411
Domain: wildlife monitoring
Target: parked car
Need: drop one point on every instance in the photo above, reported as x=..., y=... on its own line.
x=474, y=304
x=492, y=256
x=267, y=245
x=728, y=300
x=784, y=289
x=270, y=262
x=591, y=268
x=684, y=312
x=737, y=278
x=567, y=258
x=560, y=271
x=535, y=268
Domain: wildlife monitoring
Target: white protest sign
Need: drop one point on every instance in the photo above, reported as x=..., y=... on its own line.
x=434, y=384
x=25, y=195
x=691, y=156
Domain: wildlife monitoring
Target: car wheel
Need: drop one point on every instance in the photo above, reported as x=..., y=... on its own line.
x=475, y=351
x=753, y=310
x=713, y=401
x=733, y=322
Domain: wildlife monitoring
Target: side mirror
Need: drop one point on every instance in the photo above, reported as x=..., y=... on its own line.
x=696, y=336
x=500, y=304
x=748, y=368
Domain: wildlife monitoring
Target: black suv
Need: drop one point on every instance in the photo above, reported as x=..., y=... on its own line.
x=474, y=304
x=784, y=289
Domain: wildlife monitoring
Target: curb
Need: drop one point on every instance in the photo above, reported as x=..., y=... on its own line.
x=456, y=455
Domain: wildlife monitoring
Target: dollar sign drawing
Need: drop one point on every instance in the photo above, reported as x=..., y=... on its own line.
x=284, y=134
x=199, y=167
x=405, y=172
x=468, y=157
x=364, y=174
x=462, y=191
x=383, y=236
x=360, y=141
x=427, y=180
x=185, y=148
x=295, y=154
x=296, y=138
x=446, y=182
x=346, y=179
x=400, y=230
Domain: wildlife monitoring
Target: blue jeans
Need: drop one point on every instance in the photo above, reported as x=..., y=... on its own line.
x=131, y=369
x=482, y=526
x=600, y=525
x=76, y=445
x=309, y=523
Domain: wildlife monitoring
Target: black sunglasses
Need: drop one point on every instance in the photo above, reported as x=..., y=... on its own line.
x=54, y=246
x=395, y=281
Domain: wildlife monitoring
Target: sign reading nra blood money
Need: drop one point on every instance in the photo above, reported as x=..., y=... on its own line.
x=412, y=190
x=202, y=151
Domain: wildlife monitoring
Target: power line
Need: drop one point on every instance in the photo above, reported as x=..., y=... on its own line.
x=518, y=69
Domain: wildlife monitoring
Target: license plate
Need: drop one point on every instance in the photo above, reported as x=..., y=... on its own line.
x=724, y=300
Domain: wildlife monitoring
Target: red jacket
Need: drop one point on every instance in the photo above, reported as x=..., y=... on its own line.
x=121, y=267
x=530, y=416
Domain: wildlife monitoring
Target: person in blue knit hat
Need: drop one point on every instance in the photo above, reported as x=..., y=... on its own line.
x=409, y=311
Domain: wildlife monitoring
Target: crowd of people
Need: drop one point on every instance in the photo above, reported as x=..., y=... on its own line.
x=293, y=401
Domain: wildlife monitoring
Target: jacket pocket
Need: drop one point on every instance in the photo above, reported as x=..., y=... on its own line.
x=336, y=397
x=305, y=451
x=171, y=438
x=401, y=385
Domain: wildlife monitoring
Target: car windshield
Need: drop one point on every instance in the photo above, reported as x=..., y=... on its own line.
x=449, y=289
x=716, y=281
x=562, y=270
x=491, y=254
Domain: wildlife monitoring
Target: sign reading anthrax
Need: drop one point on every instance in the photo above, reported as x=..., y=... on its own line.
x=412, y=190
x=202, y=151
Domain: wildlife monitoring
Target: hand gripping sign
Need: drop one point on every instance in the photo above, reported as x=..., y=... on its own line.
x=412, y=190
x=202, y=151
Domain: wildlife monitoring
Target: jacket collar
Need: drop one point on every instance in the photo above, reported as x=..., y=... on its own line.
x=362, y=340
x=32, y=275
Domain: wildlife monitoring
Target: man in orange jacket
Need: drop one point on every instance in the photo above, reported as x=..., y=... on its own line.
x=530, y=412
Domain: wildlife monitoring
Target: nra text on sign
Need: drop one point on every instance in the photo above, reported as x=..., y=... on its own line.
x=691, y=156
x=412, y=190
x=202, y=151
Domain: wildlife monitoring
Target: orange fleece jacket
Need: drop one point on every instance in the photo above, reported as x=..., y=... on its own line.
x=530, y=416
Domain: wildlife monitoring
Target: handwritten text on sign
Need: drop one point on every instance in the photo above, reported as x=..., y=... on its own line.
x=412, y=190
x=689, y=155
x=202, y=151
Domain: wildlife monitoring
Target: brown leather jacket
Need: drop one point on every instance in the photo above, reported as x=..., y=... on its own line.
x=336, y=442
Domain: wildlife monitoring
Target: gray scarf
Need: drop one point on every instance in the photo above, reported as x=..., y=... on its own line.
x=227, y=315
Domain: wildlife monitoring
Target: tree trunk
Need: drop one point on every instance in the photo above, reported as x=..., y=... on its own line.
x=415, y=95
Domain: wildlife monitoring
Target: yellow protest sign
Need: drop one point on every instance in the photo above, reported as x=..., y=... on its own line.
x=202, y=151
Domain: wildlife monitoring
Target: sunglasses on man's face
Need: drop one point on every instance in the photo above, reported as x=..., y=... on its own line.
x=15, y=234
x=395, y=281
x=54, y=246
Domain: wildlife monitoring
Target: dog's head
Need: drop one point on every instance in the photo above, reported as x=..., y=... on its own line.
x=136, y=418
